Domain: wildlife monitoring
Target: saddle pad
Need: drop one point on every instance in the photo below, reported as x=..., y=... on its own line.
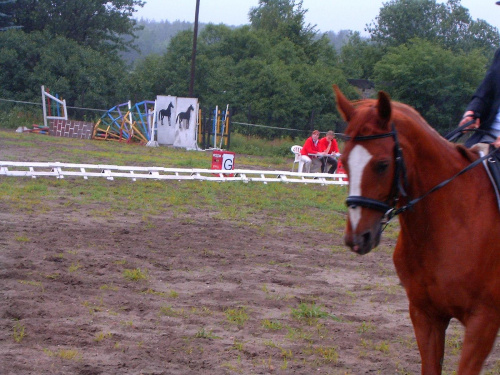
x=492, y=166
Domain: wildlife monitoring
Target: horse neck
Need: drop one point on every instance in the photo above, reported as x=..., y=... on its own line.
x=428, y=158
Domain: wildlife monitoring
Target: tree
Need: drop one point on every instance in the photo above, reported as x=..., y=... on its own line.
x=448, y=25
x=82, y=76
x=264, y=79
x=358, y=57
x=280, y=19
x=5, y=16
x=98, y=24
x=435, y=81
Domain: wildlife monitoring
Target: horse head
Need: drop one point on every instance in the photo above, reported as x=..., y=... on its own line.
x=370, y=166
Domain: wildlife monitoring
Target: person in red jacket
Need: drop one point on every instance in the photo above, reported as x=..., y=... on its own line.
x=330, y=149
x=308, y=153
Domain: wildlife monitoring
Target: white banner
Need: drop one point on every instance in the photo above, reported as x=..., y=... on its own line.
x=165, y=119
x=186, y=123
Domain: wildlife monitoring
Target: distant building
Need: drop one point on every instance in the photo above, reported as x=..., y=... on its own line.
x=365, y=87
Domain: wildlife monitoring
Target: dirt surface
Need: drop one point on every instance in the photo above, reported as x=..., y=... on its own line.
x=217, y=297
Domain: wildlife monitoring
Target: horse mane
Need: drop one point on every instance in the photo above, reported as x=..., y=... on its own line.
x=402, y=113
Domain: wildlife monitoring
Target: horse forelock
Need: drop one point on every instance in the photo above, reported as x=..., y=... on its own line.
x=364, y=120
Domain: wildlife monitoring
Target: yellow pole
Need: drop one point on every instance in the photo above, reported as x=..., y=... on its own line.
x=199, y=125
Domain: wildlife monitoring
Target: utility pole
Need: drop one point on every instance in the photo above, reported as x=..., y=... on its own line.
x=193, y=55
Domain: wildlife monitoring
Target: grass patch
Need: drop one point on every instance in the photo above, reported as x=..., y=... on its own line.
x=206, y=334
x=67, y=354
x=22, y=239
x=328, y=354
x=272, y=325
x=108, y=287
x=170, y=311
x=102, y=336
x=37, y=284
x=237, y=316
x=366, y=327
x=298, y=334
x=74, y=267
x=309, y=312
x=135, y=274
x=19, y=332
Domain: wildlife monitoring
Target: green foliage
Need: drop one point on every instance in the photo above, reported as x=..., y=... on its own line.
x=448, y=25
x=309, y=312
x=135, y=274
x=277, y=71
x=98, y=24
x=434, y=80
x=82, y=76
x=204, y=334
x=6, y=17
x=12, y=117
x=252, y=145
x=153, y=38
x=273, y=325
x=272, y=74
x=19, y=332
x=237, y=316
x=358, y=57
x=284, y=19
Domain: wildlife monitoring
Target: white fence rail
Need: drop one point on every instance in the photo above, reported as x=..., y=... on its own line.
x=110, y=172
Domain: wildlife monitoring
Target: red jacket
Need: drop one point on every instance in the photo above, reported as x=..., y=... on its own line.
x=324, y=143
x=309, y=147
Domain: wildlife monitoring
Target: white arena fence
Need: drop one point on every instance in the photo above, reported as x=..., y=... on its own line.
x=110, y=172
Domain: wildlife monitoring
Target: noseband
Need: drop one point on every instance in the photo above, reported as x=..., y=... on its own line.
x=387, y=206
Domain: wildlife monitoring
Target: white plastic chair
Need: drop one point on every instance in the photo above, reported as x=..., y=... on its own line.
x=296, y=151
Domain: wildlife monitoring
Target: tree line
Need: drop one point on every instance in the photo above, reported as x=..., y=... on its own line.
x=277, y=70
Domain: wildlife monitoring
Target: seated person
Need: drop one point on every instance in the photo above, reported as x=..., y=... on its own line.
x=307, y=154
x=328, y=146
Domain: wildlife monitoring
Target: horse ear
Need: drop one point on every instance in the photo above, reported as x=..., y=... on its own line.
x=344, y=106
x=384, y=107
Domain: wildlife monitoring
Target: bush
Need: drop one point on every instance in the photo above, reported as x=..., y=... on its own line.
x=14, y=117
x=252, y=145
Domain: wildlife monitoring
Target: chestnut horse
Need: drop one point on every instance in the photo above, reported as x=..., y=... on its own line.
x=447, y=254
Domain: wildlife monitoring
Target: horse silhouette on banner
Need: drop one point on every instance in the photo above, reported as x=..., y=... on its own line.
x=184, y=116
x=166, y=113
x=447, y=254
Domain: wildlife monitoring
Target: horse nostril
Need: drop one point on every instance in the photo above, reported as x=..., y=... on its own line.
x=366, y=237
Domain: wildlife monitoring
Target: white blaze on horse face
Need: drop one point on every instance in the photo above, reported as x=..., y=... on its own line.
x=357, y=161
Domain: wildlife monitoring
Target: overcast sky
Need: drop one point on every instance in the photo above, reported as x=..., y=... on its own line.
x=334, y=15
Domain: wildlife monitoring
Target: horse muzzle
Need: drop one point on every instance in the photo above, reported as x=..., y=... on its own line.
x=362, y=243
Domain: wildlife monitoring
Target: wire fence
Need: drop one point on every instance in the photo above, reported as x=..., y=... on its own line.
x=249, y=129
x=14, y=113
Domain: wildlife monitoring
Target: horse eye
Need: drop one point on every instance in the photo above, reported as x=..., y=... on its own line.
x=381, y=166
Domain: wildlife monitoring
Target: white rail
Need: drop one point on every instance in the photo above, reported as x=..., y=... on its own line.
x=110, y=172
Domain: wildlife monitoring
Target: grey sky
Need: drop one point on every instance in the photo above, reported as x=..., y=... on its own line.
x=328, y=15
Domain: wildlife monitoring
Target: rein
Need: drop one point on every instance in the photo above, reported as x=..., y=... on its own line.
x=456, y=133
x=390, y=211
x=394, y=212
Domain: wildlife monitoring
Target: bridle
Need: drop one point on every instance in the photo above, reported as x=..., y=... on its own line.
x=388, y=207
x=397, y=190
